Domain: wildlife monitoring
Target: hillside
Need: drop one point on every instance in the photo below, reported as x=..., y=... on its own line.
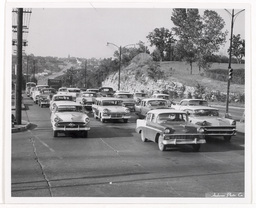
x=175, y=75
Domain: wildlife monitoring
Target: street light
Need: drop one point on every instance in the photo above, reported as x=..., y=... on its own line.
x=120, y=59
x=230, y=70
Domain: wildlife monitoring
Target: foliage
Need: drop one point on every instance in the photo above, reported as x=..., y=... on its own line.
x=154, y=72
x=199, y=37
x=238, y=48
x=163, y=39
x=199, y=91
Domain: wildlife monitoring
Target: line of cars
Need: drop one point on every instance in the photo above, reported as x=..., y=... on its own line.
x=190, y=122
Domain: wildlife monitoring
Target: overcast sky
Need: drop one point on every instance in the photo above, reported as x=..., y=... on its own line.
x=84, y=32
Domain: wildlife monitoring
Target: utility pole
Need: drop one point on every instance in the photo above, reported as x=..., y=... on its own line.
x=19, y=66
x=27, y=70
x=230, y=70
x=85, y=73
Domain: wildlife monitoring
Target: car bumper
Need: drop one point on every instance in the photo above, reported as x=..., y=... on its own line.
x=116, y=117
x=183, y=141
x=70, y=129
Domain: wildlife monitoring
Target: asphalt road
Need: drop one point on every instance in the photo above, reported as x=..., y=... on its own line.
x=114, y=162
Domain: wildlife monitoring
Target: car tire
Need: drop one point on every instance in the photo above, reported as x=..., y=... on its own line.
x=142, y=136
x=196, y=147
x=161, y=146
x=227, y=138
x=55, y=134
x=85, y=134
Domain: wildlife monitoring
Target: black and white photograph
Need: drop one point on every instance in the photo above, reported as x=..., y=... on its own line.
x=127, y=103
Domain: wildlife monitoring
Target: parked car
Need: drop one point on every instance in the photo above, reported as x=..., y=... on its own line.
x=209, y=119
x=138, y=96
x=58, y=98
x=86, y=99
x=169, y=127
x=46, y=96
x=29, y=85
x=106, y=92
x=148, y=104
x=69, y=117
x=36, y=92
x=163, y=96
x=127, y=99
x=190, y=102
x=108, y=108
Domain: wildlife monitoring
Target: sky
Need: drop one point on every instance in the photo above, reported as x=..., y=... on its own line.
x=84, y=32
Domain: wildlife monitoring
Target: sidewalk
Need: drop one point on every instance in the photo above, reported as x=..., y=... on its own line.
x=25, y=124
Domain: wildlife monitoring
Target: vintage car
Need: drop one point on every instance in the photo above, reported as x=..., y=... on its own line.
x=69, y=118
x=148, y=104
x=58, y=98
x=92, y=90
x=45, y=96
x=138, y=96
x=190, y=102
x=36, y=92
x=74, y=92
x=86, y=99
x=163, y=96
x=127, y=99
x=106, y=92
x=108, y=108
x=169, y=127
x=29, y=85
x=213, y=124
x=62, y=90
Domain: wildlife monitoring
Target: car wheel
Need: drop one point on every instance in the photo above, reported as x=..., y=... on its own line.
x=196, y=147
x=55, y=134
x=142, y=136
x=161, y=145
x=227, y=138
x=125, y=120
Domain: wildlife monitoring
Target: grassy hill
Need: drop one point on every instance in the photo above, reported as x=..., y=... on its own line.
x=171, y=76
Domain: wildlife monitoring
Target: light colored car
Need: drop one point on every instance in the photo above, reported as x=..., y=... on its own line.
x=69, y=117
x=74, y=92
x=29, y=85
x=169, y=127
x=62, y=90
x=86, y=99
x=148, y=104
x=37, y=91
x=127, y=99
x=190, y=102
x=108, y=108
x=58, y=98
x=209, y=119
x=138, y=96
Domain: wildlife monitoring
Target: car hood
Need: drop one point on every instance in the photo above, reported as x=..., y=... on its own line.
x=210, y=121
x=114, y=109
x=71, y=116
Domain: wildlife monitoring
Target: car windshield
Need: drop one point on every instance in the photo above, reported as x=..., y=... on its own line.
x=124, y=96
x=59, y=98
x=73, y=90
x=198, y=102
x=206, y=112
x=63, y=90
x=157, y=103
x=106, y=90
x=171, y=117
x=112, y=102
x=47, y=91
x=67, y=108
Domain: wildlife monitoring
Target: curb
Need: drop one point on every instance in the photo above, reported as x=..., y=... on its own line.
x=22, y=127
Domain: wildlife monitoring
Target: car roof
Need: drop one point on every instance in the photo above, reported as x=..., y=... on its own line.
x=123, y=93
x=107, y=98
x=161, y=94
x=68, y=103
x=149, y=99
x=198, y=107
x=169, y=110
x=62, y=95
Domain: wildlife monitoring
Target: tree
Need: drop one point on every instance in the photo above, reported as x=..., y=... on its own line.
x=199, y=37
x=238, y=48
x=162, y=38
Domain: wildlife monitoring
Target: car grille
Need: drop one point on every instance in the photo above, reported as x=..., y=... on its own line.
x=116, y=115
x=220, y=130
x=182, y=137
x=71, y=124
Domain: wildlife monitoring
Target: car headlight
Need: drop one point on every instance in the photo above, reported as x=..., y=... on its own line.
x=86, y=120
x=168, y=131
x=200, y=130
x=57, y=119
x=233, y=123
x=105, y=111
x=127, y=111
x=204, y=123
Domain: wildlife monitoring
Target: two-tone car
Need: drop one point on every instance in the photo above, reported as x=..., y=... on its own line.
x=58, y=98
x=163, y=96
x=68, y=117
x=36, y=92
x=170, y=128
x=46, y=96
x=127, y=99
x=86, y=99
x=108, y=108
x=106, y=92
x=209, y=119
x=190, y=102
x=148, y=104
